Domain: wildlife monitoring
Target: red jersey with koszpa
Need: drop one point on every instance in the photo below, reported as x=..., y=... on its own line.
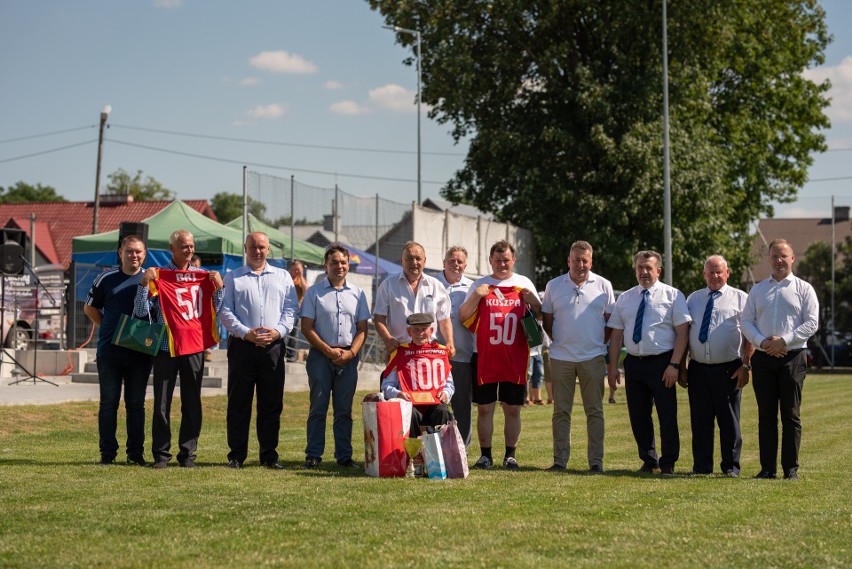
x=501, y=345
x=186, y=301
x=422, y=371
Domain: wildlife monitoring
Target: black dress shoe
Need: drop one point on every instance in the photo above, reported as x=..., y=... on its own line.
x=136, y=460
x=765, y=475
x=312, y=462
x=556, y=468
x=596, y=469
x=791, y=474
x=649, y=468
x=107, y=460
x=187, y=464
x=667, y=470
x=234, y=463
x=274, y=465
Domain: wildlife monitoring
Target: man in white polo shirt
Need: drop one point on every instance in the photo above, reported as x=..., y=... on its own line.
x=409, y=292
x=575, y=309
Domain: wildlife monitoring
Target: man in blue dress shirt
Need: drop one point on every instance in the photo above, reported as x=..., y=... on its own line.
x=258, y=311
x=334, y=319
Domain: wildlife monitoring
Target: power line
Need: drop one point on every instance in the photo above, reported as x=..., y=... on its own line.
x=270, y=166
x=46, y=134
x=4, y=160
x=290, y=144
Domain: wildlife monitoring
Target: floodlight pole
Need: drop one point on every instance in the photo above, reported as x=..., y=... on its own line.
x=104, y=116
x=667, y=190
x=416, y=34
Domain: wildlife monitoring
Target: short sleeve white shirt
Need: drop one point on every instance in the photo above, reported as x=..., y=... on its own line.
x=579, y=316
x=664, y=310
x=724, y=337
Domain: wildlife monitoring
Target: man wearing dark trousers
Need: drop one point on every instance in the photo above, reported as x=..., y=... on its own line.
x=196, y=312
x=718, y=368
x=112, y=295
x=258, y=311
x=656, y=320
x=780, y=315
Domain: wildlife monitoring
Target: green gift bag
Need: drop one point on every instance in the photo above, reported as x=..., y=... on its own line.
x=532, y=330
x=140, y=335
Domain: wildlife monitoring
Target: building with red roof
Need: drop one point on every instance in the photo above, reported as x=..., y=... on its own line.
x=57, y=223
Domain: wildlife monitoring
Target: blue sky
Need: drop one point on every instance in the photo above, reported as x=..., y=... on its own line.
x=316, y=77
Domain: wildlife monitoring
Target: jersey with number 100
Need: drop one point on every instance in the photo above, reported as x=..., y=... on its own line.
x=186, y=300
x=501, y=345
x=422, y=371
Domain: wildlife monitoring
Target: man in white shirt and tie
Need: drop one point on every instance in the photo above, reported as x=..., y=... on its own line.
x=656, y=320
x=718, y=368
x=781, y=314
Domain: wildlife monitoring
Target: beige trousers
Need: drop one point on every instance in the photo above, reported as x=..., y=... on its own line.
x=564, y=375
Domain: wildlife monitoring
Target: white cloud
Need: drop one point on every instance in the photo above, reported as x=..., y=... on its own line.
x=273, y=111
x=394, y=98
x=333, y=85
x=248, y=81
x=282, y=62
x=168, y=3
x=841, y=88
x=348, y=108
x=793, y=212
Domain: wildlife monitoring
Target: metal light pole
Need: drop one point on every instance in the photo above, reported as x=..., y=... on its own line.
x=104, y=116
x=416, y=34
x=667, y=188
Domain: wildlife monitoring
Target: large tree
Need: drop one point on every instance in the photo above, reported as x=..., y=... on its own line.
x=562, y=104
x=149, y=189
x=23, y=193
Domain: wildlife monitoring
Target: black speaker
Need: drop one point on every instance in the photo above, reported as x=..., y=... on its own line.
x=127, y=228
x=12, y=243
x=11, y=258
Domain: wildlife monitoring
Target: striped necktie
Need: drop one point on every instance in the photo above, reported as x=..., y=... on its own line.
x=708, y=312
x=640, y=316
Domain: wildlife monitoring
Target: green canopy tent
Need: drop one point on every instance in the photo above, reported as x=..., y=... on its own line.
x=219, y=246
x=278, y=240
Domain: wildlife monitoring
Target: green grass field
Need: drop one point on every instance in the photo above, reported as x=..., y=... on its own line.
x=61, y=509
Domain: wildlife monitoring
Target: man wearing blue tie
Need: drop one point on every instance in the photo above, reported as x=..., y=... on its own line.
x=718, y=368
x=657, y=320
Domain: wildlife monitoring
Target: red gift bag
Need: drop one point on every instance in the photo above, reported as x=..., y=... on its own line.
x=386, y=425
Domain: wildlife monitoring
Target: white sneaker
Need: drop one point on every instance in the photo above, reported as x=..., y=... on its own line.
x=484, y=463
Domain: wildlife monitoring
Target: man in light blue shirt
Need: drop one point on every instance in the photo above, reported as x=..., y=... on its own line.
x=258, y=311
x=334, y=319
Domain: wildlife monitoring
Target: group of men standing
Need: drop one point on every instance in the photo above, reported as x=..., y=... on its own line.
x=475, y=326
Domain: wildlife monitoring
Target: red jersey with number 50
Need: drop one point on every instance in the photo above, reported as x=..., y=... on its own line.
x=422, y=371
x=186, y=299
x=500, y=340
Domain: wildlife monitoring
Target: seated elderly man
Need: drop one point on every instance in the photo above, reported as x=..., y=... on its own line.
x=420, y=372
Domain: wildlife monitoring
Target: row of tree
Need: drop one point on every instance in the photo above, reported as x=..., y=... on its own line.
x=226, y=206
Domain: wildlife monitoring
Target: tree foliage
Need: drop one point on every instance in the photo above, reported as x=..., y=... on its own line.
x=149, y=189
x=815, y=267
x=562, y=104
x=228, y=207
x=24, y=193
